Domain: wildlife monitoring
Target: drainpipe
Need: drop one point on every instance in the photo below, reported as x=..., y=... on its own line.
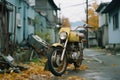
x=14, y=42
x=2, y=39
x=56, y=30
x=3, y=27
x=24, y=21
x=87, y=23
x=7, y=33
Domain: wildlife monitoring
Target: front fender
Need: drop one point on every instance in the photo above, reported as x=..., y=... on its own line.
x=57, y=45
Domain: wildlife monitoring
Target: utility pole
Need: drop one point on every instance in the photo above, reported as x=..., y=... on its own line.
x=87, y=11
x=87, y=22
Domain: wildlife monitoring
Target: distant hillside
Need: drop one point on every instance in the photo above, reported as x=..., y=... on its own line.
x=76, y=24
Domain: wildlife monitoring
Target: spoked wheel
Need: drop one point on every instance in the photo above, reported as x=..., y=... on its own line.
x=56, y=66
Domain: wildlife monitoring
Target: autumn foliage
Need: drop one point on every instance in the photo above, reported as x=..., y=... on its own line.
x=65, y=22
x=93, y=16
x=36, y=72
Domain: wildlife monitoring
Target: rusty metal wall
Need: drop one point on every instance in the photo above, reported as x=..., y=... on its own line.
x=4, y=28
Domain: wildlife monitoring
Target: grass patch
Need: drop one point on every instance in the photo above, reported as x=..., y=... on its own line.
x=39, y=61
x=35, y=60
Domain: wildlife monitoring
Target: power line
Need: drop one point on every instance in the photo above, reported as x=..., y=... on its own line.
x=77, y=4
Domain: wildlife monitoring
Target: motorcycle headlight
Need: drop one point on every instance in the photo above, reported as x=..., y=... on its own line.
x=63, y=35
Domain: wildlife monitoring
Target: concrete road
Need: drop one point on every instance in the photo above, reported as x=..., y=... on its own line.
x=101, y=66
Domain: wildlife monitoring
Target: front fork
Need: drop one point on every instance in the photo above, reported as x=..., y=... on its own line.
x=64, y=49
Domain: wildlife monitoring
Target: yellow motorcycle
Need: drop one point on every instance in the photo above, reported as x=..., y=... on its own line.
x=68, y=50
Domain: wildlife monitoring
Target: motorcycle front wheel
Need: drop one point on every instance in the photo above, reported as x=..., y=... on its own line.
x=56, y=66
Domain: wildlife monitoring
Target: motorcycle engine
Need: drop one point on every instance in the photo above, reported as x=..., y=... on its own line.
x=73, y=51
x=75, y=55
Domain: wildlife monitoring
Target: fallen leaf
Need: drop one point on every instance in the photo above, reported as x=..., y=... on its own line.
x=35, y=72
x=113, y=65
x=83, y=67
x=75, y=78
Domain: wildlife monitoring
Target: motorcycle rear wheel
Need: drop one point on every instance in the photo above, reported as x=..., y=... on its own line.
x=79, y=61
x=56, y=66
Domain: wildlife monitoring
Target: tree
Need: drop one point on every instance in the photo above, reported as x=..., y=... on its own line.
x=92, y=15
x=65, y=22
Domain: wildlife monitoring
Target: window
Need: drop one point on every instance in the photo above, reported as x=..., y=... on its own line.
x=30, y=22
x=19, y=22
x=115, y=21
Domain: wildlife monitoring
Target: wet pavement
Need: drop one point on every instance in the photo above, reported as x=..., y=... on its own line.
x=101, y=66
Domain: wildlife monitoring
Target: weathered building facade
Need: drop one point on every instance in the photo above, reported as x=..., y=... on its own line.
x=111, y=15
x=102, y=35
x=19, y=19
x=48, y=12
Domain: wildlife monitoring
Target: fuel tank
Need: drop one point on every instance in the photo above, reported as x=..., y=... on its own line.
x=75, y=36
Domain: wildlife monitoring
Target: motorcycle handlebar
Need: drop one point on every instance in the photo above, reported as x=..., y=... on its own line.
x=85, y=26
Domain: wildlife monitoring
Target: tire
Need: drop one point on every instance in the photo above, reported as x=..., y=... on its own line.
x=55, y=65
x=79, y=61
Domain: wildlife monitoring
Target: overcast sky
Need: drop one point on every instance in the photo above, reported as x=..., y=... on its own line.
x=74, y=9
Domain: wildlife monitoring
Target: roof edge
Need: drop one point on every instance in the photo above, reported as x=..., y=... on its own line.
x=101, y=6
x=54, y=5
x=113, y=4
